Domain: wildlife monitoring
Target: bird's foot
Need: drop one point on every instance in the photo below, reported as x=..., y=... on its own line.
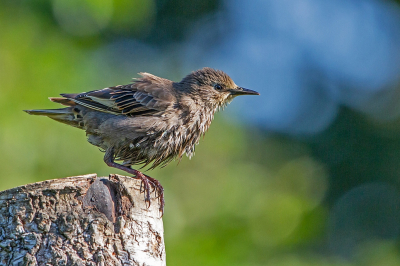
x=146, y=180
x=145, y=188
x=159, y=192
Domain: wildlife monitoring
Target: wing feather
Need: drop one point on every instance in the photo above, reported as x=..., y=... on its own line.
x=147, y=95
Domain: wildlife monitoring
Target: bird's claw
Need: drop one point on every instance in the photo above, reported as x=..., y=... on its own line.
x=148, y=181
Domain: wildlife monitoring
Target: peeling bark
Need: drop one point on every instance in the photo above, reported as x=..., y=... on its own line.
x=81, y=220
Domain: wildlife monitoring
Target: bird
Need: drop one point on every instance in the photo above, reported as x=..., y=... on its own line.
x=149, y=122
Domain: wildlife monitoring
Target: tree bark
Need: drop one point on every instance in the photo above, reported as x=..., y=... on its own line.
x=81, y=220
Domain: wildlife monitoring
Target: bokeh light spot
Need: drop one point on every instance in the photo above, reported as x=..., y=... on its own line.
x=83, y=17
x=305, y=178
x=365, y=213
x=273, y=218
x=133, y=16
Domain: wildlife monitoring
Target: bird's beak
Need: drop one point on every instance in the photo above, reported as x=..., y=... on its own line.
x=242, y=91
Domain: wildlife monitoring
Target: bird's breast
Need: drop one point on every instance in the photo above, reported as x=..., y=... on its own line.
x=168, y=140
x=182, y=138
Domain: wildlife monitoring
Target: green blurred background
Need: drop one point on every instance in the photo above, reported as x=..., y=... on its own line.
x=249, y=196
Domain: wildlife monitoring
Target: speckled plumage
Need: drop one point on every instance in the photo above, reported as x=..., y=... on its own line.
x=150, y=121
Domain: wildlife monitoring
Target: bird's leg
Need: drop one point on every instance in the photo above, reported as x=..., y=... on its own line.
x=136, y=173
x=109, y=160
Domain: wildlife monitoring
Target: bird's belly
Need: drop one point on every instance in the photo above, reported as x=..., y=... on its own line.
x=96, y=140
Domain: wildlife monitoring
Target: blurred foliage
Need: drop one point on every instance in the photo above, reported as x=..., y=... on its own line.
x=247, y=198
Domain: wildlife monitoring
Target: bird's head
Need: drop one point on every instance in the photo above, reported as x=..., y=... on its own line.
x=213, y=87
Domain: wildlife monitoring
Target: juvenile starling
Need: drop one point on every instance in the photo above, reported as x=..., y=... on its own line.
x=150, y=121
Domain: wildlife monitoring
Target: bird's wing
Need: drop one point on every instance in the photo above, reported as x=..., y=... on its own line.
x=147, y=95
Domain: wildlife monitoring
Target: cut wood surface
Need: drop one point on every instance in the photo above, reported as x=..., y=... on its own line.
x=81, y=220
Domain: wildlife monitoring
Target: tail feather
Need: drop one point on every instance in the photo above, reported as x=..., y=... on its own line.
x=50, y=112
x=62, y=100
x=64, y=115
x=69, y=95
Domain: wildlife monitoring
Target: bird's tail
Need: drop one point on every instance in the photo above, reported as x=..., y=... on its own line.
x=63, y=115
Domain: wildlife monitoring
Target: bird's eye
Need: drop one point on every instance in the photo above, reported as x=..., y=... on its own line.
x=217, y=87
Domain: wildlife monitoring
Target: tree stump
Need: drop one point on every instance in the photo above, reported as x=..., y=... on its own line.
x=81, y=220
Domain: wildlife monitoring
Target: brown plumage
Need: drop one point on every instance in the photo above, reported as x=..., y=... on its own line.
x=149, y=122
